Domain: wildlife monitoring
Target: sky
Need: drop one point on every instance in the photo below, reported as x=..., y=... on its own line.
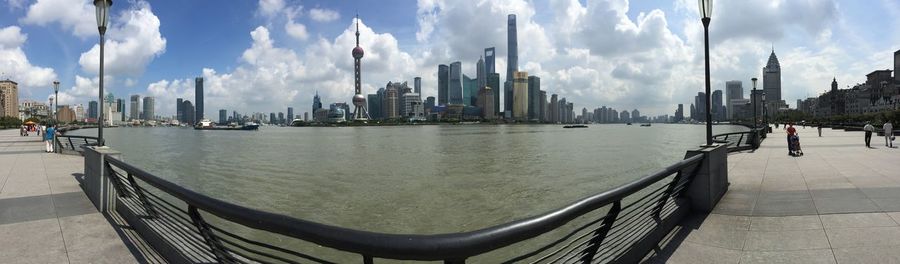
x=267, y=55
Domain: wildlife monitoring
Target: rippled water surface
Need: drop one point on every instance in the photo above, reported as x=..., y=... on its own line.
x=410, y=179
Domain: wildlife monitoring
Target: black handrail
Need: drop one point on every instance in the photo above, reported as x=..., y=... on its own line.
x=453, y=247
x=72, y=143
x=746, y=140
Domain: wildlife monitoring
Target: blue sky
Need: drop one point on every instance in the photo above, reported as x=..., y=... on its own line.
x=266, y=55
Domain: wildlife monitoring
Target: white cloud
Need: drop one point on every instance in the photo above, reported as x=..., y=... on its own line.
x=14, y=64
x=77, y=16
x=133, y=41
x=323, y=15
x=270, y=8
x=294, y=29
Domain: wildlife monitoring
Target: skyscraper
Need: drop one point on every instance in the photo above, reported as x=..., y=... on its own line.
x=391, y=106
x=189, y=114
x=272, y=119
x=716, y=108
x=455, y=87
x=485, y=102
x=534, y=97
x=733, y=90
x=772, y=83
x=179, y=110
x=223, y=116
x=543, y=106
x=512, y=57
x=470, y=90
x=290, y=114
x=554, y=109
x=317, y=103
x=489, y=58
x=120, y=106
x=135, y=107
x=198, y=99
x=149, y=108
x=417, y=85
x=359, y=101
x=480, y=73
x=493, y=81
x=897, y=66
x=443, y=84
x=92, y=109
x=520, y=96
x=679, y=114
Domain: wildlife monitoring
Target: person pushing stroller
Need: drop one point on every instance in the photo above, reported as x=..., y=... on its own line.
x=793, y=141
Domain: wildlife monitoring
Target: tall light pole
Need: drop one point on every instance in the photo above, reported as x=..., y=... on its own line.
x=705, y=12
x=56, y=96
x=753, y=98
x=765, y=112
x=102, y=20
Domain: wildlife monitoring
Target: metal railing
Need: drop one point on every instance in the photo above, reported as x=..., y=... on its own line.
x=740, y=141
x=70, y=144
x=619, y=225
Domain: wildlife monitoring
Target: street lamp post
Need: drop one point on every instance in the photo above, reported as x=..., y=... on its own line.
x=705, y=12
x=765, y=112
x=102, y=7
x=753, y=97
x=56, y=96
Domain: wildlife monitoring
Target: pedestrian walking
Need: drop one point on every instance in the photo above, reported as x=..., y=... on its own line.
x=869, y=129
x=790, y=133
x=888, y=134
x=48, y=137
x=820, y=130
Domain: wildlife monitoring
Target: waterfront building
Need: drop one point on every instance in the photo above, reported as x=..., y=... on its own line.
x=9, y=98
x=542, y=97
x=700, y=104
x=179, y=110
x=411, y=106
x=290, y=114
x=679, y=113
x=534, y=97
x=741, y=109
x=470, y=91
x=149, y=108
x=198, y=99
x=79, y=112
x=189, y=114
x=429, y=105
x=772, y=84
x=305, y=116
x=272, y=119
x=455, y=86
x=493, y=81
x=486, y=102
x=337, y=112
x=512, y=56
x=391, y=104
x=480, y=73
x=374, y=101
x=570, y=112
x=554, y=109
x=135, y=113
x=317, y=102
x=520, y=96
x=281, y=118
x=417, y=85
x=92, y=110
x=625, y=116
x=733, y=90
x=563, y=109
x=120, y=105
x=65, y=114
x=443, y=84
x=636, y=116
x=359, y=101
x=223, y=116
x=717, y=113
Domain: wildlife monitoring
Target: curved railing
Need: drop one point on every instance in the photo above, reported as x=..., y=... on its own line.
x=740, y=141
x=70, y=144
x=619, y=225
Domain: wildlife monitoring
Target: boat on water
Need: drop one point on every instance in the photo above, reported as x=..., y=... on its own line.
x=206, y=124
x=645, y=125
x=629, y=123
x=575, y=126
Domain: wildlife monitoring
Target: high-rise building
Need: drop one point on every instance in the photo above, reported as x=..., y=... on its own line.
x=417, y=85
x=679, y=114
x=411, y=106
x=512, y=56
x=520, y=95
x=179, y=110
x=92, y=109
x=543, y=106
x=223, y=116
x=443, y=84
x=359, y=101
x=305, y=116
x=79, y=112
x=772, y=83
x=470, y=90
x=198, y=99
x=493, y=81
x=391, y=104
x=272, y=119
x=486, y=102
x=563, y=109
x=455, y=91
x=716, y=108
x=489, y=59
x=733, y=90
x=317, y=102
x=281, y=118
x=189, y=114
x=149, y=108
x=700, y=103
x=9, y=98
x=636, y=116
x=135, y=107
x=897, y=66
x=480, y=73
x=554, y=109
x=120, y=106
x=534, y=97
x=290, y=114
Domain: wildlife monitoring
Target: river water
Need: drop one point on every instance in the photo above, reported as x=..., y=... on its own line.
x=406, y=179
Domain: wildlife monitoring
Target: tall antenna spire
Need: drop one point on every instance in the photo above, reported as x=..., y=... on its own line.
x=357, y=29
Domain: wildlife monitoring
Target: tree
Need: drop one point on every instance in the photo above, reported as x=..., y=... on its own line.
x=8, y=122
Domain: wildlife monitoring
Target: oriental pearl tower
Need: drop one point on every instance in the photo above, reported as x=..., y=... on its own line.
x=359, y=101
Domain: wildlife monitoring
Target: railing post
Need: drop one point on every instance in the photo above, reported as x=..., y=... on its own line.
x=710, y=182
x=217, y=249
x=601, y=232
x=96, y=183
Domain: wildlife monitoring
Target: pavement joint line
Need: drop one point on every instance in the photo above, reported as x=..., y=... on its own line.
x=55, y=213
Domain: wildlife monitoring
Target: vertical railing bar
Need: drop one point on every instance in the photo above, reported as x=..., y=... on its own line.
x=70, y=144
x=115, y=180
x=601, y=232
x=214, y=244
x=666, y=194
x=140, y=193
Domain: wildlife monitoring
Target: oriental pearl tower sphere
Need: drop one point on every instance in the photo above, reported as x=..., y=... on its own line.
x=359, y=101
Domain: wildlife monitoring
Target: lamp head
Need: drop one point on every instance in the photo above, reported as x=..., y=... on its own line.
x=706, y=8
x=102, y=7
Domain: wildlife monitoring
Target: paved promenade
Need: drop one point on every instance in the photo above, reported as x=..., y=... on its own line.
x=45, y=217
x=839, y=203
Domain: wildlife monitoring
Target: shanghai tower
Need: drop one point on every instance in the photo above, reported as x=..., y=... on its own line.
x=512, y=57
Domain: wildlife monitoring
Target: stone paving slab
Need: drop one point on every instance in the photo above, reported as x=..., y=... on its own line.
x=839, y=203
x=45, y=217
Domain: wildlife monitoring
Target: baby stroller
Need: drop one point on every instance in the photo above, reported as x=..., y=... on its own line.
x=794, y=146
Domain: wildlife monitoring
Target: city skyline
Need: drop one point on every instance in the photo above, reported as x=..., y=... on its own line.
x=614, y=70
